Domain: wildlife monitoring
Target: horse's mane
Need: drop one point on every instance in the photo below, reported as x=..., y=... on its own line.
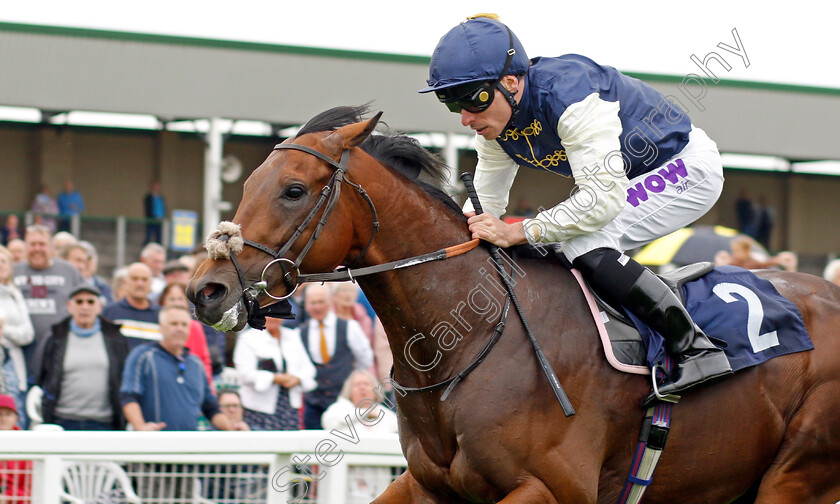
x=401, y=153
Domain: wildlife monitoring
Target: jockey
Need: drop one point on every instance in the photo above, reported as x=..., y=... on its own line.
x=641, y=170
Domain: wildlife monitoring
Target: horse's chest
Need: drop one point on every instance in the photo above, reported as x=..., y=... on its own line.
x=460, y=477
x=449, y=463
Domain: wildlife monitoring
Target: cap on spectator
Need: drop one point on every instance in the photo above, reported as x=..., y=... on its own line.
x=6, y=401
x=174, y=265
x=85, y=288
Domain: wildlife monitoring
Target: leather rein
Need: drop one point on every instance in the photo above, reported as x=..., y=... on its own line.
x=328, y=198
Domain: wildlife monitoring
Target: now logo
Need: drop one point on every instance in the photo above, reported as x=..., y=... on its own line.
x=657, y=182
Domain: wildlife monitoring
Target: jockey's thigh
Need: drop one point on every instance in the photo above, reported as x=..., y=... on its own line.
x=662, y=200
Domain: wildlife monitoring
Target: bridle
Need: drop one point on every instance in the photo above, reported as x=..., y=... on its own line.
x=328, y=198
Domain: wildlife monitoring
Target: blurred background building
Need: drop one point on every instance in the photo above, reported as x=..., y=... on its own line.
x=115, y=112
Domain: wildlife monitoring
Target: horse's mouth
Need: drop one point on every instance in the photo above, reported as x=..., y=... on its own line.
x=233, y=319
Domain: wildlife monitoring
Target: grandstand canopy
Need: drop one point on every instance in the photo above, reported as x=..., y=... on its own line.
x=62, y=69
x=56, y=78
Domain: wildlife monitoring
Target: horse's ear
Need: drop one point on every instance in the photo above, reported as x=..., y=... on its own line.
x=353, y=134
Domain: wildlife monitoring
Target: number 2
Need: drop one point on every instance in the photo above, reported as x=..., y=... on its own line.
x=755, y=314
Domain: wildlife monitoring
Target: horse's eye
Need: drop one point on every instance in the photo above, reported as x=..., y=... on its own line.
x=294, y=192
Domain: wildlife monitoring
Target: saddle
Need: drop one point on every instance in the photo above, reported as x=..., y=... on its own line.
x=621, y=340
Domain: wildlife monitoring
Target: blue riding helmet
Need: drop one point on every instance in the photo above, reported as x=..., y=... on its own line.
x=475, y=51
x=470, y=60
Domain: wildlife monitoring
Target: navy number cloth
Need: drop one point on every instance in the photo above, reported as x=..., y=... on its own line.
x=747, y=312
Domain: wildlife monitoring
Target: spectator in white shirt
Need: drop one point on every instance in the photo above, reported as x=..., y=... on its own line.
x=274, y=373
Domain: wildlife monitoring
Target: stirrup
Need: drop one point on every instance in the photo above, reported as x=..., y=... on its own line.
x=671, y=398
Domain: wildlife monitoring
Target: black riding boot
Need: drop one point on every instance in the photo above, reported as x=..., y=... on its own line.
x=624, y=281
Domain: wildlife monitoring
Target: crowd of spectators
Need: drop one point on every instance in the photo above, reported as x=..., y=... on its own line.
x=125, y=351
x=129, y=353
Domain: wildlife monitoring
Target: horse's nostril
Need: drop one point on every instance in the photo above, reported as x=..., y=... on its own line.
x=213, y=292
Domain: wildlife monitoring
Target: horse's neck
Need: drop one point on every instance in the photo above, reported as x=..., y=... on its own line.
x=414, y=222
x=416, y=303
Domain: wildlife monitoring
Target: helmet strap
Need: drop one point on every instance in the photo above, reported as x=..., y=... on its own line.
x=511, y=99
x=514, y=107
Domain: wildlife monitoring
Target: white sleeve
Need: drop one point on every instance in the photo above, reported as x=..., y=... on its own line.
x=589, y=131
x=245, y=362
x=359, y=345
x=298, y=360
x=494, y=176
x=20, y=333
x=335, y=416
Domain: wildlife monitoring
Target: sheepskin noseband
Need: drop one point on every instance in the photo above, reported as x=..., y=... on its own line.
x=224, y=241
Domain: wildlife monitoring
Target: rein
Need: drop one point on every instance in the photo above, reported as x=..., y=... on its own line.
x=450, y=383
x=347, y=274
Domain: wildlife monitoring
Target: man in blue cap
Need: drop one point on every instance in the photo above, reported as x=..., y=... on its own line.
x=641, y=170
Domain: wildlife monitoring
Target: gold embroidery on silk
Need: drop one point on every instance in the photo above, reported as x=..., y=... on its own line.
x=533, y=130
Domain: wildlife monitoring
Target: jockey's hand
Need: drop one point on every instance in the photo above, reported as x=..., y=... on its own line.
x=493, y=230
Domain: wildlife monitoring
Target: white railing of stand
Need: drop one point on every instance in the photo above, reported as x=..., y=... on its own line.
x=282, y=452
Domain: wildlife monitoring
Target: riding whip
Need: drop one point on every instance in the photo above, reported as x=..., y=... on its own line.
x=568, y=410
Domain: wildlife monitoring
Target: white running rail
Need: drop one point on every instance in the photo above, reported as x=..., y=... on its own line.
x=317, y=467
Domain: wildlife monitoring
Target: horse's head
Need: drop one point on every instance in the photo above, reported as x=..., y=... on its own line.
x=293, y=216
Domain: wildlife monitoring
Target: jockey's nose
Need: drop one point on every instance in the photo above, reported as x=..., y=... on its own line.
x=467, y=117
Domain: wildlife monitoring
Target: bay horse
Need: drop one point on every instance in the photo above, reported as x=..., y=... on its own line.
x=768, y=434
